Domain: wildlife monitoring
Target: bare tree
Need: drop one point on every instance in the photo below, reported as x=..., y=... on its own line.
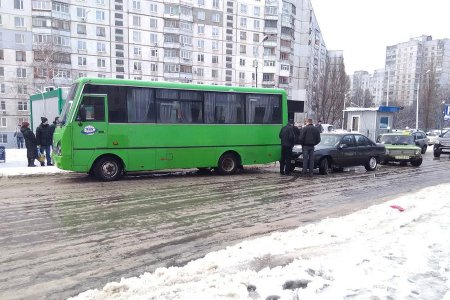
x=331, y=93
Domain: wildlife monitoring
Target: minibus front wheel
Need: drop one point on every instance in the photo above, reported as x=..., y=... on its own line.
x=108, y=168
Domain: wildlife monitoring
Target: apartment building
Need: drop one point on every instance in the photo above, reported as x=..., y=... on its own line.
x=259, y=43
x=409, y=64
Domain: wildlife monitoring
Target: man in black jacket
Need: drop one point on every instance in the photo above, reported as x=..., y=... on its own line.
x=44, y=137
x=309, y=137
x=288, y=137
x=30, y=143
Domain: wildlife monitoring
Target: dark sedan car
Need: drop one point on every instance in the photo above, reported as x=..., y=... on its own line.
x=338, y=150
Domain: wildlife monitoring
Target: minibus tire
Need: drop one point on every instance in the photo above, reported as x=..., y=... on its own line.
x=228, y=164
x=108, y=168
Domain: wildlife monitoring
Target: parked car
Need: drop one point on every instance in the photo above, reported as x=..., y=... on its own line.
x=338, y=150
x=442, y=145
x=432, y=136
x=400, y=147
x=421, y=140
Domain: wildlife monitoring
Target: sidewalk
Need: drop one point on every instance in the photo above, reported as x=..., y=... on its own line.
x=16, y=165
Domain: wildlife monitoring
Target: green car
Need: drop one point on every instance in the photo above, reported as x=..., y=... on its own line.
x=400, y=147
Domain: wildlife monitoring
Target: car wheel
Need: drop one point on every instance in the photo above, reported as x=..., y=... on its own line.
x=324, y=167
x=424, y=149
x=108, y=168
x=371, y=164
x=437, y=154
x=416, y=162
x=228, y=164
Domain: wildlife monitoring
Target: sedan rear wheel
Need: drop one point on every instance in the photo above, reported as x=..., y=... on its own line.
x=371, y=165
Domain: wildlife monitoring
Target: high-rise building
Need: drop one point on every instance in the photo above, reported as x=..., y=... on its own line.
x=263, y=43
x=410, y=62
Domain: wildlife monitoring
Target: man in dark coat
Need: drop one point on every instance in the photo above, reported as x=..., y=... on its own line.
x=30, y=143
x=309, y=137
x=287, y=136
x=53, y=127
x=44, y=137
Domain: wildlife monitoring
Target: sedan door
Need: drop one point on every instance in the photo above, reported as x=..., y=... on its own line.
x=346, y=155
x=364, y=148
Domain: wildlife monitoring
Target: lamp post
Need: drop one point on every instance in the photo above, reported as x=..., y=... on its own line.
x=256, y=60
x=417, y=100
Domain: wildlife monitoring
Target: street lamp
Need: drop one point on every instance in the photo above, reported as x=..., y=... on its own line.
x=417, y=100
x=256, y=60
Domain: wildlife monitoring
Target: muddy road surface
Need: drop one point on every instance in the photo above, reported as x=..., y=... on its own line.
x=63, y=234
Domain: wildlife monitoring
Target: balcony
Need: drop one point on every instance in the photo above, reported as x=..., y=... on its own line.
x=173, y=60
x=172, y=45
x=174, y=30
x=270, y=30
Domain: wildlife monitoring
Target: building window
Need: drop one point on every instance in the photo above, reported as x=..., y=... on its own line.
x=137, y=51
x=3, y=105
x=137, y=21
x=2, y=88
x=256, y=24
x=154, y=67
x=200, y=44
x=100, y=15
x=200, y=72
x=215, y=59
x=18, y=4
x=101, y=31
x=215, y=18
x=3, y=138
x=21, y=73
x=136, y=4
x=21, y=56
x=216, y=4
x=242, y=62
x=153, y=8
x=153, y=38
x=243, y=49
x=22, y=89
x=201, y=29
x=154, y=52
x=256, y=11
x=136, y=36
x=243, y=9
x=22, y=105
x=215, y=45
x=215, y=31
x=3, y=122
x=201, y=15
x=243, y=22
x=81, y=29
x=201, y=58
x=137, y=66
x=81, y=45
x=82, y=61
x=214, y=73
x=81, y=12
x=101, y=47
x=101, y=63
x=153, y=23
x=2, y=71
x=243, y=35
x=19, y=22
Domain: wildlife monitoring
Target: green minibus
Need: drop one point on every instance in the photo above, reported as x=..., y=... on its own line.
x=112, y=126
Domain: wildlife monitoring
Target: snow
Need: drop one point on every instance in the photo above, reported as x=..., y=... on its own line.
x=378, y=253
x=16, y=164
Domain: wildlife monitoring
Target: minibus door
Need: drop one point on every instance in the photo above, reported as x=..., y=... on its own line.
x=90, y=130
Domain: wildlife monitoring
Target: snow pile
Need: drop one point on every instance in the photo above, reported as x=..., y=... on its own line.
x=17, y=164
x=377, y=253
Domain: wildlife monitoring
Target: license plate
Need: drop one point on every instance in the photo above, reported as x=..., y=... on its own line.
x=402, y=157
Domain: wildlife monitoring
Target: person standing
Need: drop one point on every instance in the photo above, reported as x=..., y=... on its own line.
x=309, y=137
x=319, y=126
x=287, y=136
x=19, y=137
x=52, y=129
x=44, y=137
x=30, y=143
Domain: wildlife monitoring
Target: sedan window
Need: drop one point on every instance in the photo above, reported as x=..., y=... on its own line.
x=348, y=140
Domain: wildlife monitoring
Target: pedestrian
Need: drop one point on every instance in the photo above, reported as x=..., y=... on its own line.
x=319, y=126
x=19, y=137
x=309, y=137
x=52, y=129
x=30, y=143
x=287, y=136
x=44, y=137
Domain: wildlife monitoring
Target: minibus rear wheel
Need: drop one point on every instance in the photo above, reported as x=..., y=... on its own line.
x=108, y=168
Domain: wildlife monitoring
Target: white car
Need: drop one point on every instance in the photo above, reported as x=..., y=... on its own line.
x=433, y=136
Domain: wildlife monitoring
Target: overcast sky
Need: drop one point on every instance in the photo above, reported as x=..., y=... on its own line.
x=363, y=28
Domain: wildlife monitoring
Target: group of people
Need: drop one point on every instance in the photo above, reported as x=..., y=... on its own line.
x=308, y=136
x=40, y=143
